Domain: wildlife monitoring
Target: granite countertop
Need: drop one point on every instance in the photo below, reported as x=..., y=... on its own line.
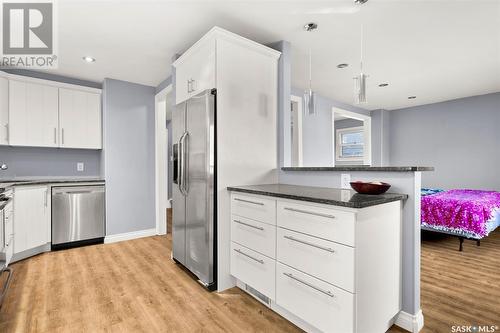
x=4, y=183
x=331, y=196
x=362, y=168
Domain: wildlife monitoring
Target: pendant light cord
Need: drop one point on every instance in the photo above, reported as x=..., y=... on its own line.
x=362, y=37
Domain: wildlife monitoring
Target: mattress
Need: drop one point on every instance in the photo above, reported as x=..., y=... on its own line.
x=468, y=213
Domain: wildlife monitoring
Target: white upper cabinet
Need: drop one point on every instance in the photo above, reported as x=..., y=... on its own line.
x=80, y=119
x=4, y=111
x=33, y=114
x=195, y=72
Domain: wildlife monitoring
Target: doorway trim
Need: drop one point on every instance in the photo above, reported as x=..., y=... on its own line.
x=298, y=100
x=161, y=162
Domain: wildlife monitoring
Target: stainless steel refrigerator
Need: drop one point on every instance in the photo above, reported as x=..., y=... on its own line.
x=194, y=226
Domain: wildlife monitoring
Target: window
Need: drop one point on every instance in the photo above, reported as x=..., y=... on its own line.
x=350, y=144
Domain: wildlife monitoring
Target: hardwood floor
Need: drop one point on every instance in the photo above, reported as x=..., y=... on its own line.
x=133, y=286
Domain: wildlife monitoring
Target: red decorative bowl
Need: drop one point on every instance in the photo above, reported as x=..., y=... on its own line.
x=370, y=187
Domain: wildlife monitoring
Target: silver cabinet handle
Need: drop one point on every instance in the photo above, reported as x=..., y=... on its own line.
x=189, y=85
x=62, y=135
x=310, y=244
x=55, y=135
x=326, y=292
x=309, y=212
x=7, y=132
x=193, y=85
x=260, y=261
x=249, y=225
x=248, y=201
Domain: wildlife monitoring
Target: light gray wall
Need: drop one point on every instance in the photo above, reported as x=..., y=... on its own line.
x=129, y=155
x=317, y=143
x=54, y=162
x=380, y=137
x=460, y=138
x=42, y=162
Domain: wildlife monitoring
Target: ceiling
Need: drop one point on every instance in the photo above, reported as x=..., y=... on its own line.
x=434, y=50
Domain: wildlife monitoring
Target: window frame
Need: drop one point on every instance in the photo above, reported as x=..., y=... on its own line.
x=339, y=145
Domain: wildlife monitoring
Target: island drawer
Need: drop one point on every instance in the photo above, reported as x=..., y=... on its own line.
x=326, y=260
x=258, y=236
x=322, y=305
x=319, y=221
x=254, y=269
x=254, y=207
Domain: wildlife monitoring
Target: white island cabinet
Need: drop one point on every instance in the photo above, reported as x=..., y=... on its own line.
x=326, y=268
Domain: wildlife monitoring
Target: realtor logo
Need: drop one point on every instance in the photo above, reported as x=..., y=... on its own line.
x=28, y=32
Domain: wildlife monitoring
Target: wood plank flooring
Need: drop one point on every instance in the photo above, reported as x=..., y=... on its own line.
x=133, y=286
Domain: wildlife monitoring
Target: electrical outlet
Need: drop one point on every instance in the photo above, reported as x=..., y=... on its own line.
x=80, y=166
x=345, y=179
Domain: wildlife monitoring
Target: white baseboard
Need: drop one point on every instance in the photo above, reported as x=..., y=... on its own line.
x=129, y=235
x=411, y=323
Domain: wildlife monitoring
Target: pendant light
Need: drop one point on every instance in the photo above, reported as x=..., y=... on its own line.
x=310, y=95
x=360, y=80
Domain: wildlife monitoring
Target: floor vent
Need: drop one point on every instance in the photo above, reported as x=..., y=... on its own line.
x=263, y=298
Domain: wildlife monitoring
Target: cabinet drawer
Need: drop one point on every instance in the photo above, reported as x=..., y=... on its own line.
x=328, y=261
x=255, y=208
x=327, y=223
x=258, y=236
x=254, y=269
x=320, y=304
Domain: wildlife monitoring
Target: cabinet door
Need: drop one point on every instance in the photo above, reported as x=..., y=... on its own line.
x=4, y=111
x=196, y=72
x=31, y=218
x=33, y=114
x=80, y=119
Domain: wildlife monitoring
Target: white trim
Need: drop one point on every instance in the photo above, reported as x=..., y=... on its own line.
x=161, y=143
x=51, y=83
x=367, y=124
x=129, y=235
x=216, y=33
x=411, y=323
x=298, y=100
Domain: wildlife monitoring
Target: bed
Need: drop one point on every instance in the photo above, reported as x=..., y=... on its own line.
x=467, y=214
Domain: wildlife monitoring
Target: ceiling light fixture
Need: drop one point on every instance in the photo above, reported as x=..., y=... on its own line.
x=342, y=65
x=309, y=95
x=360, y=80
x=88, y=59
x=383, y=84
x=360, y=2
x=412, y=97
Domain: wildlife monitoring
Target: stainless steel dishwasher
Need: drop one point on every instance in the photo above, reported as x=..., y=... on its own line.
x=78, y=215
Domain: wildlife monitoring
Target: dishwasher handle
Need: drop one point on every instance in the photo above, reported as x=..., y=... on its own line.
x=77, y=190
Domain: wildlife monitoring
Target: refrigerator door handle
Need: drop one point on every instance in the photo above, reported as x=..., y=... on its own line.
x=185, y=162
x=181, y=164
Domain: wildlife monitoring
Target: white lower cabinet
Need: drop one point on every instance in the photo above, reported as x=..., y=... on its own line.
x=32, y=217
x=322, y=305
x=253, y=268
x=326, y=268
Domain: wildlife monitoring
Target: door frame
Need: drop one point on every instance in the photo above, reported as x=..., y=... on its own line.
x=161, y=162
x=298, y=100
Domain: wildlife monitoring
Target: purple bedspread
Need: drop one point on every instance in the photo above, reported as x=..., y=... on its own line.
x=466, y=210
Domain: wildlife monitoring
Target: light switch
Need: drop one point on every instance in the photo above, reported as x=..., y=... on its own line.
x=80, y=166
x=345, y=179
